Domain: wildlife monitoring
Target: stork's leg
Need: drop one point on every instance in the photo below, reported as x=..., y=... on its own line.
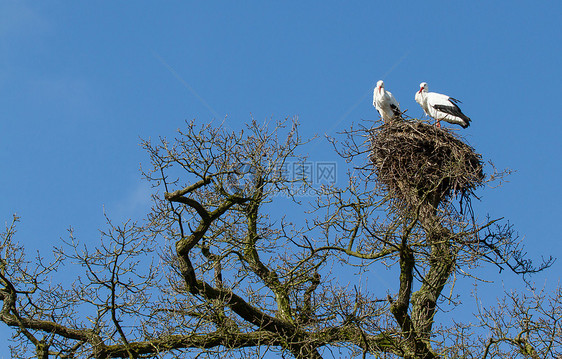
x=438, y=124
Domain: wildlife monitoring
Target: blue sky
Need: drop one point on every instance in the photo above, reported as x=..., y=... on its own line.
x=82, y=82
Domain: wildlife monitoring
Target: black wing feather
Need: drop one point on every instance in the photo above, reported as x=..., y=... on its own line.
x=453, y=109
x=395, y=110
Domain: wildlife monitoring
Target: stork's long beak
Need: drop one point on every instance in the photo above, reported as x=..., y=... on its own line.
x=421, y=88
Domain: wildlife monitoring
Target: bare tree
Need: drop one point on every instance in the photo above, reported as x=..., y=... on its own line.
x=215, y=268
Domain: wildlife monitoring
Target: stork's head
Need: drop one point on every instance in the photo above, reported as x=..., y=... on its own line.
x=423, y=87
x=380, y=85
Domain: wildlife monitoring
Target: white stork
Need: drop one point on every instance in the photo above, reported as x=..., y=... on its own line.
x=441, y=107
x=385, y=103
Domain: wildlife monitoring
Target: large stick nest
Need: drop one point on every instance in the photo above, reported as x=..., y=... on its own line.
x=420, y=163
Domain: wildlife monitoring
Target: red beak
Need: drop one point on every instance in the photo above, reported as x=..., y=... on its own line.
x=421, y=88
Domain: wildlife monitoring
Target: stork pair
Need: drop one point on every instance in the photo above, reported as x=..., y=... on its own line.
x=438, y=106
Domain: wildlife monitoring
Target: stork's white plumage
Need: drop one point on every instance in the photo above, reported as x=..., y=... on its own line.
x=441, y=107
x=385, y=103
